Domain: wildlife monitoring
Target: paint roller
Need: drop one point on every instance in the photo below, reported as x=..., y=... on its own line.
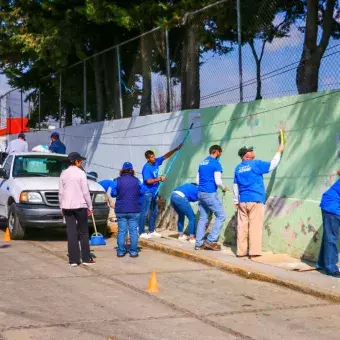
x=177, y=153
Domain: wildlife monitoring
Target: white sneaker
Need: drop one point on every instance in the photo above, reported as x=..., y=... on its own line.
x=155, y=234
x=192, y=240
x=73, y=265
x=145, y=236
x=182, y=238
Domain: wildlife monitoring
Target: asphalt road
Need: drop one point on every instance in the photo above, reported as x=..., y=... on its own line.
x=43, y=298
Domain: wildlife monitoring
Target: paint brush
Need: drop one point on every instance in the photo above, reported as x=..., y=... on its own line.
x=282, y=140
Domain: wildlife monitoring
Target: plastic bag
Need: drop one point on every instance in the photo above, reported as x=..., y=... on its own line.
x=41, y=148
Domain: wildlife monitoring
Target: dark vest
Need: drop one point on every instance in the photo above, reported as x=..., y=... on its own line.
x=128, y=195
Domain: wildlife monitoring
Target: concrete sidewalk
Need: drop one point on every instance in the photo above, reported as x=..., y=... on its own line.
x=280, y=269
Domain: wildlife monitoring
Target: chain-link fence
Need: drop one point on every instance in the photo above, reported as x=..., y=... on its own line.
x=229, y=52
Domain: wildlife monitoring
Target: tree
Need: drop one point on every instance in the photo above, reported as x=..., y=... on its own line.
x=323, y=15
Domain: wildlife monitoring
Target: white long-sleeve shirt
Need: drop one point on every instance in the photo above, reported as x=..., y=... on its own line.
x=17, y=145
x=273, y=164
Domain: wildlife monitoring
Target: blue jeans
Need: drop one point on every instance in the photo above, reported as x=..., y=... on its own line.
x=328, y=256
x=183, y=208
x=209, y=202
x=149, y=203
x=127, y=222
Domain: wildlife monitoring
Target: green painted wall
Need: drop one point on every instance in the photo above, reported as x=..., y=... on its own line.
x=308, y=167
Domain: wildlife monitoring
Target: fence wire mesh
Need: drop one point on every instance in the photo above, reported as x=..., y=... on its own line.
x=230, y=52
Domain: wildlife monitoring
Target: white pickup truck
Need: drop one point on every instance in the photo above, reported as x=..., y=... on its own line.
x=29, y=193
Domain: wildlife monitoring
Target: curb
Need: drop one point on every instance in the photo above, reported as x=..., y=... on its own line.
x=242, y=271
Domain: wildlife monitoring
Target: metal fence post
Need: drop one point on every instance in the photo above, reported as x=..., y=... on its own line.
x=39, y=109
x=60, y=124
x=120, y=84
x=168, y=72
x=85, y=93
x=239, y=39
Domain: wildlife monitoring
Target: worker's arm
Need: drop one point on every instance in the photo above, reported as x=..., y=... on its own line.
x=236, y=193
x=170, y=153
x=155, y=180
x=85, y=191
x=276, y=159
x=219, y=182
x=61, y=190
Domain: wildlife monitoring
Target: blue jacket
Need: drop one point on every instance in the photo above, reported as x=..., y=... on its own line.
x=128, y=190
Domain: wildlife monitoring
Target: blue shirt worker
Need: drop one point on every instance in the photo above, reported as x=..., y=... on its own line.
x=56, y=145
x=151, y=182
x=180, y=200
x=209, y=179
x=249, y=199
x=330, y=209
x=127, y=189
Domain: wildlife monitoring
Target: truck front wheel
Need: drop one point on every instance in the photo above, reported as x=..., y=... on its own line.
x=16, y=229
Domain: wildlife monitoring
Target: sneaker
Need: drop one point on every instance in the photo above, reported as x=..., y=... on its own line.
x=134, y=255
x=199, y=247
x=212, y=246
x=145, y=236
x=89, y=263
x=155, y=234
x=73, y=264
x=121, y=255
x=192, y=240
x=335, y=274
x=182, y=238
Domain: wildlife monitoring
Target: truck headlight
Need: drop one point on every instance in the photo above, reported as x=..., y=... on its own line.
x=30, y=197
x=100, y=198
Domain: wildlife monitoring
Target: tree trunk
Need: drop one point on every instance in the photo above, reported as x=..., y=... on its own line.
x=69, y=115
x=258, y=60
x=98, y=74
x=111, y=83
x=258, y=81
x=307, y=75
x=190, y=77
x=145, y=106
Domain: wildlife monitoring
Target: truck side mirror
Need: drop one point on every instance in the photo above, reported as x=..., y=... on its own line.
x=3, y=173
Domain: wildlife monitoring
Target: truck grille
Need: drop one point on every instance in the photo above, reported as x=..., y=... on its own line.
x=52, y=198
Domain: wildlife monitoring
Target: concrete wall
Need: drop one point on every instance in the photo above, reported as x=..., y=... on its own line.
x=312, y=126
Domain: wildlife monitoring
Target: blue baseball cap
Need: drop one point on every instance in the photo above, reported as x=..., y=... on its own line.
x=55, y=135
x=127, y=166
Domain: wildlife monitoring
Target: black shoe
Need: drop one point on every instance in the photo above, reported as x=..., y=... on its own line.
x=136, y=255
x=90, y=262
x=336, y=274
x=121, y=255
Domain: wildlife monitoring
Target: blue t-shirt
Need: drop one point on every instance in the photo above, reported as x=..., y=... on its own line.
x=249, y=178
x=150, y=171
x=58, y=147
x=206, y=171
x=106, y=183
x=330, y=200
x=189, y=190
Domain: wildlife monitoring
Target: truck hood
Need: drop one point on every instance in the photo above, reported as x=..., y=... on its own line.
x=50, y=184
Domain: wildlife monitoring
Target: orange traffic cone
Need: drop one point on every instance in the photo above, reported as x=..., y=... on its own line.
x=7, y=237
x=153, y=284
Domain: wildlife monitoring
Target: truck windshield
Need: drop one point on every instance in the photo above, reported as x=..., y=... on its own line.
x=39, y=166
